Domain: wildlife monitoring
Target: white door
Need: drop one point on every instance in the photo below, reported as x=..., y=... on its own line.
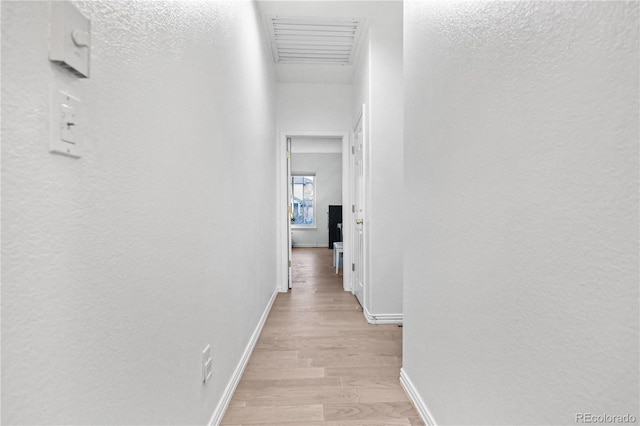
x=289, y=211
x=358, y=212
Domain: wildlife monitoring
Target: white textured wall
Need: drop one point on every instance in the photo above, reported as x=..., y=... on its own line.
x=316, y=145
x=328, y=171
x=378, y=83
x=118, y=268
x=521, y=183
x=312, y=107
x=362, y=78
x=386, y=148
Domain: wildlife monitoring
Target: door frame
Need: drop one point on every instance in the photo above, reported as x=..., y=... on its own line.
x=362, y=121
x=283, y=227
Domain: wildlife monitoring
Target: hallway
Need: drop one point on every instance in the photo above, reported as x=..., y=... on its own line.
x=145, y=212
x=317, y=360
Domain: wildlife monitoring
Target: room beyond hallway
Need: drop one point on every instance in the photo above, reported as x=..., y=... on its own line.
x=318, y=361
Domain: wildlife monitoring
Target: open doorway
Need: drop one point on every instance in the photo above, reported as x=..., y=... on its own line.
x=316, y=187
x=313, y=175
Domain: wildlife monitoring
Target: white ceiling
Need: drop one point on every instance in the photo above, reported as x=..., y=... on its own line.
x=317, y=73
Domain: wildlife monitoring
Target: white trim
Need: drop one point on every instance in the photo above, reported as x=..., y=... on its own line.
x=347, y=200
x=218, y=413
x=325, y=245
x=415, y=397
x=382, y=318
x=282, y=214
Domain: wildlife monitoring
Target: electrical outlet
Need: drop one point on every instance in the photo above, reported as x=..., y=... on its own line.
x=207, y=364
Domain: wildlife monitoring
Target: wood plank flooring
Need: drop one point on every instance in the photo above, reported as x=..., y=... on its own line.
x=318, y=362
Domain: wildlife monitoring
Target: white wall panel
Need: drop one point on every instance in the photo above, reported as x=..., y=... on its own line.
x=521, y=202
x=120, y=267
x=378, y=84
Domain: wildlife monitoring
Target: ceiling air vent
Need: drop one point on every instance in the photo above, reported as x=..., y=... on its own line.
x=312, y=40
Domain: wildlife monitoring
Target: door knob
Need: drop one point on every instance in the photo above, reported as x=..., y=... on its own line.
x=359, y=221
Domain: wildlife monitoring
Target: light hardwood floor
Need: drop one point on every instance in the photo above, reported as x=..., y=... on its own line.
x=317, y=360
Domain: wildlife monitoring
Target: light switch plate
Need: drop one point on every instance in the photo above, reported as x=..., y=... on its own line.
x=64, y=124
x=68, y=122
x=70, y=38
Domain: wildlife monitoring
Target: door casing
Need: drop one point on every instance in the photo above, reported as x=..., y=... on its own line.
x=283, y=225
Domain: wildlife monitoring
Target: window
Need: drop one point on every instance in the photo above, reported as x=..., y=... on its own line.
x=302, y=200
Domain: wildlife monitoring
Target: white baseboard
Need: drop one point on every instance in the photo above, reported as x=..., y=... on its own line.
x=382, y=318
x=325, y=245
x=413, y=394
x=218, y=413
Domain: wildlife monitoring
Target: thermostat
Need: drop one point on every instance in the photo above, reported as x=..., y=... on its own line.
x=70, y=38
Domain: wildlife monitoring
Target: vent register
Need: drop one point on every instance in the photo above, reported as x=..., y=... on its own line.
x=313, y=41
